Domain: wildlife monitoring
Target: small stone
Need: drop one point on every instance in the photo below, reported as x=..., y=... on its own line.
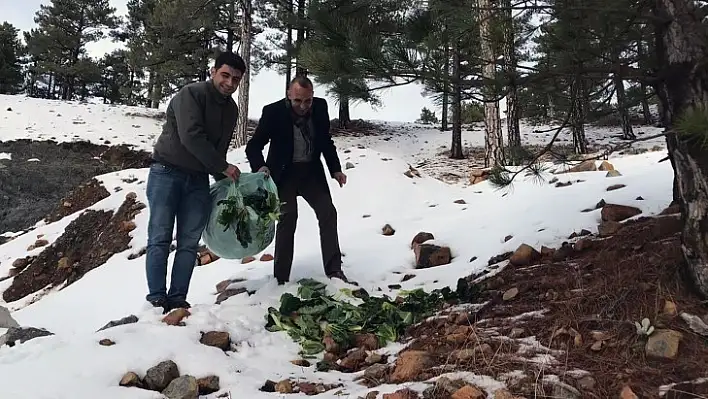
x=217, y=339
x=405, y=393
x=248, y=259
x=128, y=226
x=596, y=346
x=421, y=238
x=616, y=187
x=670, y=308
x=64, y=263
x=41, y=243
x=115, y=323
x=587, y=383
x=510, y=294
x=130, y=379
x=301, y=362
x=175, y=317
x=229, y=293
x=366, y=341
x=373, y=358
x=664, y=344
x=284, y=386
x=21, y=264
x=524, y=255
x=508, y=238
x=613, y=173
x=106, y=342
x=184, y=387
x=266, y=258
x=131, y=196
x=158, y=377
x=468, y=392
x=6, y=319
x=605, y=166
x=387, y=230
x=627, y=393
x=582, y=244
x=349, y=165
x=429, y=255
x=460, y=201
x=375, y=371
x=585, y=166
x=618, y=213
x=409, y=365
x=23, y=334
x=208, y=385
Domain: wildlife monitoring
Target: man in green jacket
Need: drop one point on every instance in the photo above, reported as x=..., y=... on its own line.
x=201, y=119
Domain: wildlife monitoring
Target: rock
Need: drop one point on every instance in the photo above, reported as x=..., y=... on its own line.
x=468, y=392
x=478, y=176
x=128, y=225
x=375, y=371
x=6, y=319
x=547, y=252
x=430, y=255
x=248, y=259
x=421, y=238
x=582, y=244
x=223, y=285
x=402, y=394
x=587, y=383
x=284, y=386
x=510, y=294
x=23, y=334
x=669, y=309
x=184, y=387
x=130, y=379
x=366, y=341
x=114, y=323
x=131, y=196
x=562, y=390
x=409, y=365
x=613, y=173
x=229, y=293
x=605, y=166
x=266, y=258
x=516, y=332
x=353, y=360
x=460, y=201
x=106, y=342
x=373, y=358
x=175, y=317
x=446, y=387
x=208, y=384
x=301, y=362
x=502, y=393
x=524, y=255
x=508, y=238
x=627, y=393
x=21, y=263
x=671, y=210
x=606, y=229
x=618, y=213
x=585, y=166
x=349, y=165
x=616, y=187
x=372, y=395
x=387, y=230
x=64, y=263
x=158, y=377
x=217, y=339
x=41, y=243
x=664, y=344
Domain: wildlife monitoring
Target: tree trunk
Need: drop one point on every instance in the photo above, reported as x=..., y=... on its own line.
x=577, y=117
x=156, y=94
x=686, y=84
x=492, y=122
x=456, y=147
x=300, y=40
x=512, y=96
x=446, y=84
x=150, y=87
x=344, y=116
x=646, y=112
x=627, y=132
x=230, y=28
x=289, y=49
x=246, y=32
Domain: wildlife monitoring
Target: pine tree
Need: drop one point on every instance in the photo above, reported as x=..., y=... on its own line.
x=11, y=52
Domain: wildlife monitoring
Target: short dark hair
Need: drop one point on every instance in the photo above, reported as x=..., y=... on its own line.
x=233, y=60
x=302, y=81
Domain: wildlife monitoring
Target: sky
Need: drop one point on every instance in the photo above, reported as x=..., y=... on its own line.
x=399, y=104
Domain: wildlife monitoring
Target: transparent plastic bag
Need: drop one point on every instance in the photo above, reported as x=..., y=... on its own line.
x=243, y=216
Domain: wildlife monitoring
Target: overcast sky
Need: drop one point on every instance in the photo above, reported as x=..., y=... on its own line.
x=399, y=104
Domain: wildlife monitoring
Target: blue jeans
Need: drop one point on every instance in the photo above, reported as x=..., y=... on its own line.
x=174, y=194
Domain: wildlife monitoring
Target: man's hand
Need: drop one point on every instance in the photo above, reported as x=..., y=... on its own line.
x=232, y=172
x=341, y=178
x=264, y=170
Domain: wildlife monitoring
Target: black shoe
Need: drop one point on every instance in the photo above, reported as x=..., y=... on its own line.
x=160, y=303
x=340, y=275
x=282, y=282
x=177, y=304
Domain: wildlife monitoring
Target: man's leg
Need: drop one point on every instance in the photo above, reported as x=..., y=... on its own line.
x=316, y=193
x=163, y=194
x=285, y=229
x=192, y=216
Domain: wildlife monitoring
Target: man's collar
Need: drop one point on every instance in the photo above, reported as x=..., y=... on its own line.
x=220, y=98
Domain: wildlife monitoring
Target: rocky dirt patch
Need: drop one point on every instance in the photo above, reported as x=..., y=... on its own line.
x=31, y=190
x=87, y=242
x=572, y=325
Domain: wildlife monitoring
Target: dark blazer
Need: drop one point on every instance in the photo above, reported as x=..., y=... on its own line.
x=276, y=127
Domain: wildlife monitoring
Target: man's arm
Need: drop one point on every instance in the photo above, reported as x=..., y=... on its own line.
x=190, y=128
x=255, y=146
x=329, y=150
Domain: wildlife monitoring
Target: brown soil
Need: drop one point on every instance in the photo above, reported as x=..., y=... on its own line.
x=604, y=287
x=82, y=197
x=87, y=242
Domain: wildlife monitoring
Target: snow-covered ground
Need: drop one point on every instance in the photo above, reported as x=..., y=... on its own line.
x=71, y=364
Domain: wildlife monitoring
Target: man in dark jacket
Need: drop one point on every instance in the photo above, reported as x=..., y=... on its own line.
x=297, y=128
x=201, y=119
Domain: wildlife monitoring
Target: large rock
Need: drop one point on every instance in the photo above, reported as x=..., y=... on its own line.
x=158, y=377
x=524, y=255
x=664, y=344
x=217, y=339
x=421, y=237
x=23, y=334
x=468, y=392
x=618, y=213
x=208, y=385
x=430, y=255
x=6, y=320
x=409, y=365
x=184, y=387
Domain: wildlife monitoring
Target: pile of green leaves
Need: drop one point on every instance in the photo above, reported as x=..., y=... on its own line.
x=312, y=315
x=236, y=216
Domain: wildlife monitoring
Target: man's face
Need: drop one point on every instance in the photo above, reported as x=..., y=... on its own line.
x=301, y=98
x=226, y=79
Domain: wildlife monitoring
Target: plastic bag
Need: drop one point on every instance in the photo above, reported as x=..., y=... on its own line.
x=243, y=215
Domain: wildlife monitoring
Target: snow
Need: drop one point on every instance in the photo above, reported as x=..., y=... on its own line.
x=4, y=155
x=71, y=364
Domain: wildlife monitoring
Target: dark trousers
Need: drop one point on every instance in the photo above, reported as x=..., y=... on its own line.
x=174, y=197
x=305, y=180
